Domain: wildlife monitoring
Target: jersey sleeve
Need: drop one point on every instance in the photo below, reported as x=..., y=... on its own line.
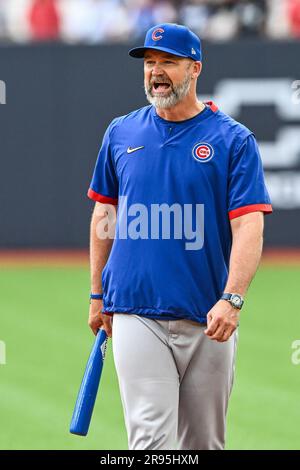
x=247, y=191
x=104, y=185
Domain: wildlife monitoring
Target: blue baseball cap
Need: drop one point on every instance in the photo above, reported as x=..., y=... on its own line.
x=172, y=38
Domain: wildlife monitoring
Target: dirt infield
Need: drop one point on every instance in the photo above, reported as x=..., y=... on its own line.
x=45, y=258
x=282, y=257
x=57, y=258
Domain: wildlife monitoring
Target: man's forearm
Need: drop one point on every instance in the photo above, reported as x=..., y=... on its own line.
x=100, y=245
x=247, y=243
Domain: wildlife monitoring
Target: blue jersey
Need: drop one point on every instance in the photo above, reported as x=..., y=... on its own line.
x=177, y=185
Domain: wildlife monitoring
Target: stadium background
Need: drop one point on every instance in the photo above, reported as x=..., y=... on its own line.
x=64, y=74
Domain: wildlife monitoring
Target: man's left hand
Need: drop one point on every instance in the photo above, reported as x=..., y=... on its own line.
x=222, y=321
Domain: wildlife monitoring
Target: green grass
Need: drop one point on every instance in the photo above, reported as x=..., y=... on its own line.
x=44, y=325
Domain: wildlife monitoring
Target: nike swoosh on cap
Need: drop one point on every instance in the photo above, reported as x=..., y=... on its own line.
x=130, y=149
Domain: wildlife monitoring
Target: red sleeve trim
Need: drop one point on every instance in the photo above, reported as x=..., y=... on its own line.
x=212, y=105
x=266, y=208
x=100, y=198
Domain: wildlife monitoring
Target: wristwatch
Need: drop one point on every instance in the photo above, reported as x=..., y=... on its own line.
x=236, y=300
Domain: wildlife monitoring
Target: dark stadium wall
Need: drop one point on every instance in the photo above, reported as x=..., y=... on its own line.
x=60, y=99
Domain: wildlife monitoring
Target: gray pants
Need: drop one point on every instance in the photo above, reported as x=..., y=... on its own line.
x=175, y=383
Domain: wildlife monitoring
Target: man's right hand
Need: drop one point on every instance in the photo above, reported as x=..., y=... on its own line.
x=97, y=319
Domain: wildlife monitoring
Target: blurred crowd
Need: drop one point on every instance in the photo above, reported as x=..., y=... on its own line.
x=107, y=21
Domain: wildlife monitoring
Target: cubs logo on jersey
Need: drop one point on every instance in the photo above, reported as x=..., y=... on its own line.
x=203, y=152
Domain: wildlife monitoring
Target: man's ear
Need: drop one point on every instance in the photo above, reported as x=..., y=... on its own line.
x=197, y=69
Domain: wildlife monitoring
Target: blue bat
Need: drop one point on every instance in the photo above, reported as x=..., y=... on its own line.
x=89, y=386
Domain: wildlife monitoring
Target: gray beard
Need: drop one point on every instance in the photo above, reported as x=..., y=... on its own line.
x=176, y=94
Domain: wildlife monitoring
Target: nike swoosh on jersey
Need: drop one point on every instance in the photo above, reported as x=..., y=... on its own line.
x=130, y=149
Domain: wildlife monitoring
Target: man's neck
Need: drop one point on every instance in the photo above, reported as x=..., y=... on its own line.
x=182, y=111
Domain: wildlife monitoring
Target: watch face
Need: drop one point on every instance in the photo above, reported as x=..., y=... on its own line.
x=236, y=300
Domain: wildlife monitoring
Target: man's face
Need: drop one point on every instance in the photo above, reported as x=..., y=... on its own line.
x=167, y=78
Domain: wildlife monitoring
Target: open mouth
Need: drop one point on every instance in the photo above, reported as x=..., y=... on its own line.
x=160, y=87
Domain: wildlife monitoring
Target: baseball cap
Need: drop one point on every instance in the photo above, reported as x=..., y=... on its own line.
x=172, y=38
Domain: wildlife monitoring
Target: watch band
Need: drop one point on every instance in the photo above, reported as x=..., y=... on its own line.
x=226, y=296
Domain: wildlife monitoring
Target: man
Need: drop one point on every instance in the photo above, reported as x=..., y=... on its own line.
x=189, y=186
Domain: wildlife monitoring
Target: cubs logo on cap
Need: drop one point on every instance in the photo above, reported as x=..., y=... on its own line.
x=203, y=152
x=172, y=38
x=155, y=33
